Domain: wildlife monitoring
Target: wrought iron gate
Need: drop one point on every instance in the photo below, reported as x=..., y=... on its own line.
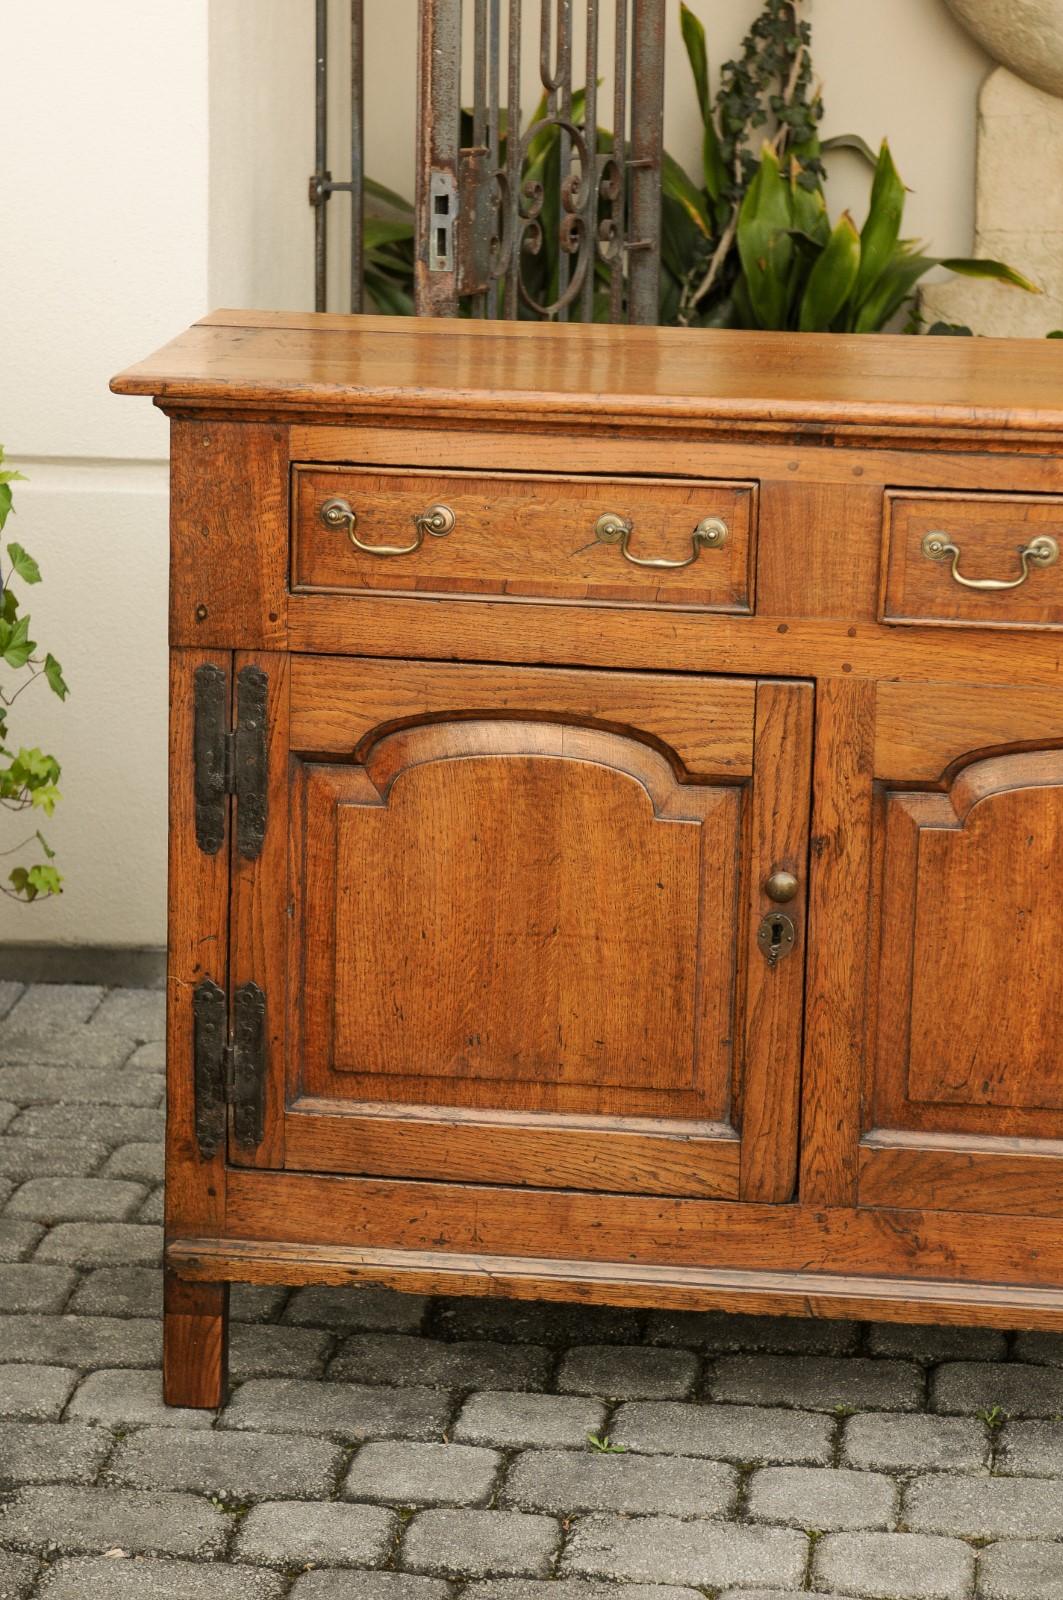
x=484, y=216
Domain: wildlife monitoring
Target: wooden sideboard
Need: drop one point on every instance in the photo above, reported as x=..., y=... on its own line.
x=616, y=833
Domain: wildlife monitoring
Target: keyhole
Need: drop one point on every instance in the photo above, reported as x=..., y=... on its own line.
x=775, y=936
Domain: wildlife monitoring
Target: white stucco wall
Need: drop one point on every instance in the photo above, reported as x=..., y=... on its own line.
x=103, y=125
x=155, y=164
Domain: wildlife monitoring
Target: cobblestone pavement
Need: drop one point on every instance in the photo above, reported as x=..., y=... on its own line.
x=386, y=1447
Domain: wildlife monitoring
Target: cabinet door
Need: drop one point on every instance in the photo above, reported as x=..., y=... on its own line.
x=965, y=1103
x=523, y=911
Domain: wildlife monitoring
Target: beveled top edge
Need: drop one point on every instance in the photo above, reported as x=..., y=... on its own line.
x=333, y=362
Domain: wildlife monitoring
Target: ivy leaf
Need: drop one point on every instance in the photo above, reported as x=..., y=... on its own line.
x=6, y=480
x=9, y=608
x=19, y=646
x=36, y=880
x=54, y=673
x=45, y=846
x=33, y=767
x=24, y=564
x=44, y=798
x=45, y=880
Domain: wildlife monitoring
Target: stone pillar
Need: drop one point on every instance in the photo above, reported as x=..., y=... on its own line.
x=1019, y=199
x=1018, y=214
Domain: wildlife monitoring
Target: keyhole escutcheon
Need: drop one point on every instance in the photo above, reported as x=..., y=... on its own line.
x=775, y=936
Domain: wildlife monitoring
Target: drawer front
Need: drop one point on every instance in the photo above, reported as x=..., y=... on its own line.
x=540, y=535
x=985, y=560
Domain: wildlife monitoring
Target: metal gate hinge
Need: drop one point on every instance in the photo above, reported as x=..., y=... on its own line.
x=230, y=761
x=229, y=1064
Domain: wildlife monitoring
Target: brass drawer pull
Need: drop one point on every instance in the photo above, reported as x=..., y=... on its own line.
x=1041, y=552
x=710, y=534
x=437, y=520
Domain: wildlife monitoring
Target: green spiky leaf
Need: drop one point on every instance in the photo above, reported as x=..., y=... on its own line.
x=693, y=32
x=894, y=286
x=999, y=271
x=850, y=141
x=832, y=278
x=677, y=186
x=882, y=227
x=764, y=243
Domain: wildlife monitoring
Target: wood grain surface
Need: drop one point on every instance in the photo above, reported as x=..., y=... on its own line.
x=804, y=382
x=524, y=798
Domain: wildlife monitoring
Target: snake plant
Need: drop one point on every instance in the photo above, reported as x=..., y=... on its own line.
x=753, y=245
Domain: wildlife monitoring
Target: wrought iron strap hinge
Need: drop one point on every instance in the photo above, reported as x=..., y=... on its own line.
x=230, y=761
x=229, y=1064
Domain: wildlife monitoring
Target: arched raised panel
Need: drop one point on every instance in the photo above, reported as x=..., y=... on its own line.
x=522, y=910
x=530, y=904
x=971, y=985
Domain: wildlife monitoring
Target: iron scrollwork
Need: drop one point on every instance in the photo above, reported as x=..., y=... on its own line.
x=507, y=216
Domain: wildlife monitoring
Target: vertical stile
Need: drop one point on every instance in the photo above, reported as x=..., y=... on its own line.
x=513, y=163
x=357, y=151
x=478, y=300
x=616, y=218
x=647, y=120
x=559, y=86
x=319, y=190
x=494, y=146
x=590, y=179
x=438, y=160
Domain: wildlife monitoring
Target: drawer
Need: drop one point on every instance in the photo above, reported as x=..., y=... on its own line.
x=650, y=542
x=985, y=560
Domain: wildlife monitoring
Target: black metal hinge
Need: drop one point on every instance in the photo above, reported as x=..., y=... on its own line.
x=229, y=1064
x=230, y=761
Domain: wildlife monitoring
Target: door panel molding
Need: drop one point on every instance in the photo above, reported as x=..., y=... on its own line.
x=964, y=1103
x=582, y=856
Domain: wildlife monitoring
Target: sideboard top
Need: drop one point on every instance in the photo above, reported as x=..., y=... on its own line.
x=345, y=365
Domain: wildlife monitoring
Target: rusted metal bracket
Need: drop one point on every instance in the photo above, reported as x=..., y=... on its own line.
x=230, y=762
x=228, y=1072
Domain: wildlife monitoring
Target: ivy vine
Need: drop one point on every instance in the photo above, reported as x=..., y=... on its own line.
x=29, y=778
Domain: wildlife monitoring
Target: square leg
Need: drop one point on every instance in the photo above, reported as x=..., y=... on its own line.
x=195, y=1343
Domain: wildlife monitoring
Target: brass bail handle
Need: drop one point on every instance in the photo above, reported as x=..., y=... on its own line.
x=437, y=520
x=710, y=534
x=1040, y=552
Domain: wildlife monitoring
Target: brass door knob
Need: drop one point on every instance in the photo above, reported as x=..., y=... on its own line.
x=781, y=887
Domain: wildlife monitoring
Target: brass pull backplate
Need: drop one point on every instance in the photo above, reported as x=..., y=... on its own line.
x=1040, y=552
x=710, y=534
x=437, y=520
